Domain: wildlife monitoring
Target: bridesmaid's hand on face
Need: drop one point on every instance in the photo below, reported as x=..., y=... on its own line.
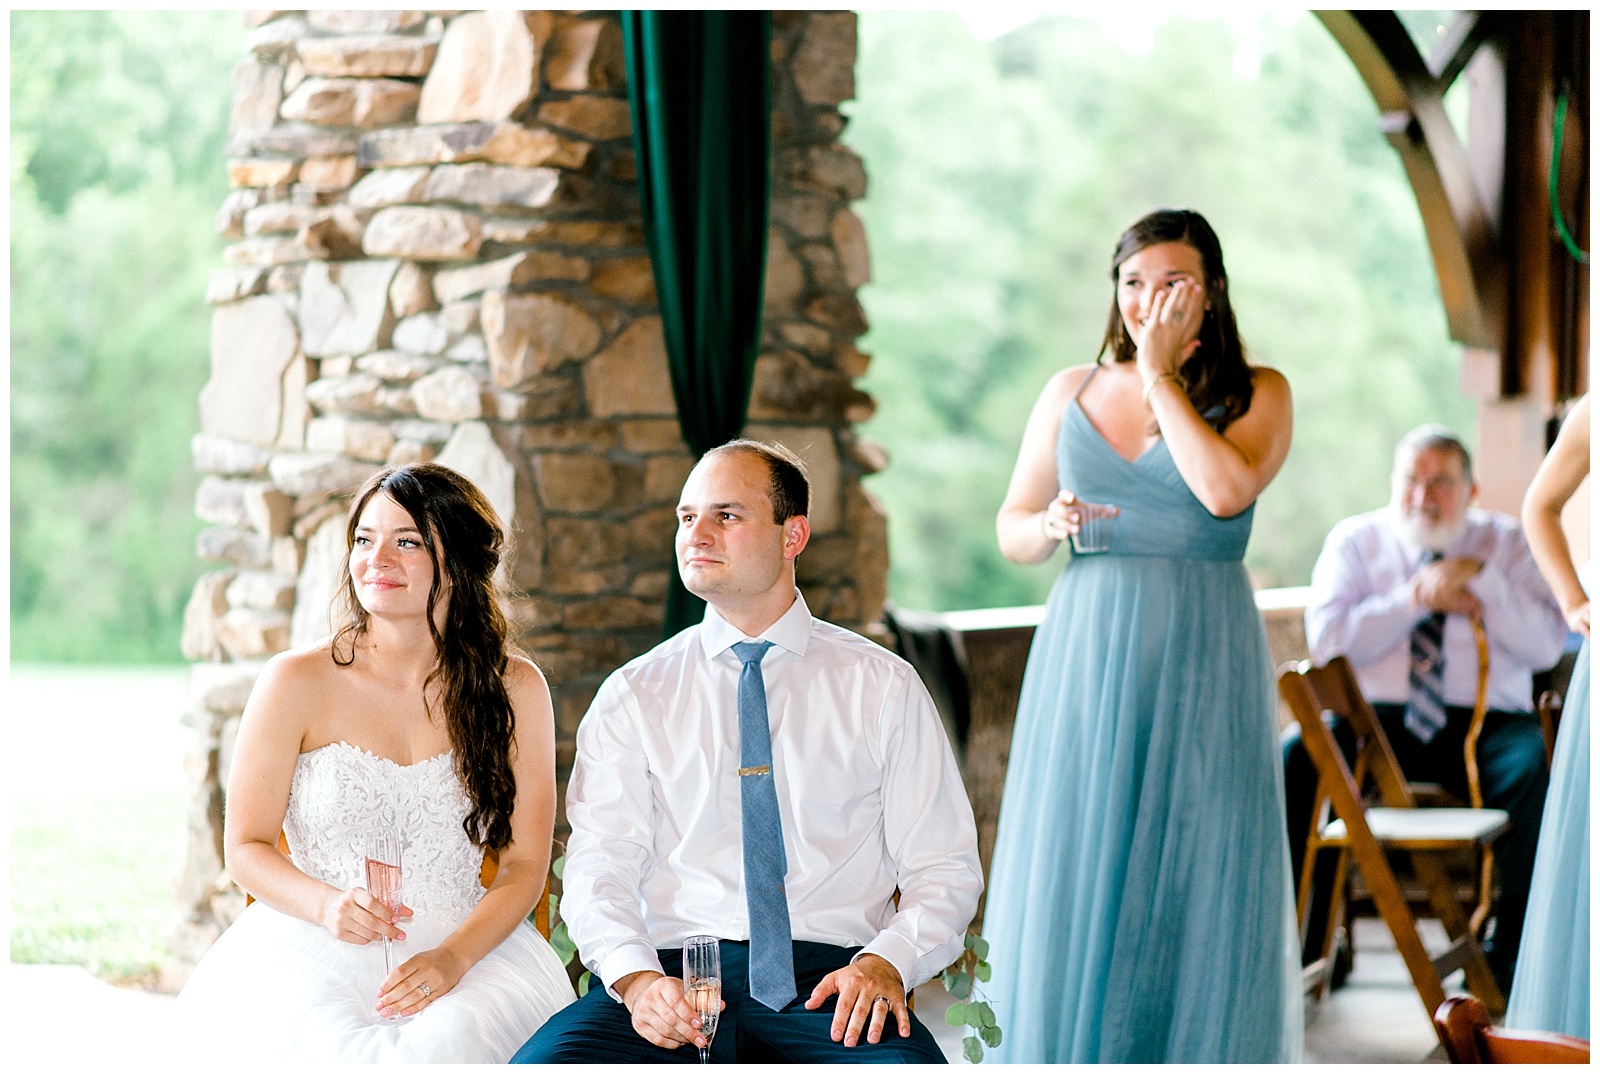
x=1170, y=332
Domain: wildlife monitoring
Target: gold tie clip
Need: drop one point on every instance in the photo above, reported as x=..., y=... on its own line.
x=756, y=770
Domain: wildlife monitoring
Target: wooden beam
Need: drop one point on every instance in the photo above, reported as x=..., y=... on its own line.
x=1457, y=45
x=1461, y=234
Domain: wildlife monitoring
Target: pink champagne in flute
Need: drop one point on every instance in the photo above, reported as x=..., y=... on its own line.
x=383, y=880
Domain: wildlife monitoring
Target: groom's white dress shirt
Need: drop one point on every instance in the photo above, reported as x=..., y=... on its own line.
x=868, y=793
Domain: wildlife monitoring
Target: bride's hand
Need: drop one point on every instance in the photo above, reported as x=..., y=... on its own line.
x=357, y=916
x=418, y=981
x=1171, y=330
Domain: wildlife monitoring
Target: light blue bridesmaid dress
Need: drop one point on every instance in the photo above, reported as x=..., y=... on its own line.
x=1551, y=987
x=1140, y=906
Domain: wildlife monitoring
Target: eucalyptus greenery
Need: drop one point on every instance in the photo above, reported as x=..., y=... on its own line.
x=971, y=1009
x=560, y=939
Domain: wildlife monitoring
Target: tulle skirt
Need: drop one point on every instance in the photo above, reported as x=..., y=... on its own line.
x=1140, y=907
x=275, y=989
x=1551, y=989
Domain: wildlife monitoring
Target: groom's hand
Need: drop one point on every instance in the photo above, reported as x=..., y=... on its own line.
x=660, y=1013
x=869, y=990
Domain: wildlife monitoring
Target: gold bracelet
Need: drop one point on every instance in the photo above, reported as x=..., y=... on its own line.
x=1148, y=388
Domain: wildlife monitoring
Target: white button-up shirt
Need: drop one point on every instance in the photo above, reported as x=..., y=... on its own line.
x=1361, y=606
x=868, y=793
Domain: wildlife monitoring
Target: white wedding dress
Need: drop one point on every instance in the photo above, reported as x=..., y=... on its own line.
x=277, y=989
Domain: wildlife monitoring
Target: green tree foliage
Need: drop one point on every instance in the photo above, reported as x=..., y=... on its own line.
x=119, y=121
x=1002, y=173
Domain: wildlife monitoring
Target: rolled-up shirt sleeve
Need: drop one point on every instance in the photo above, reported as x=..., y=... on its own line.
x=929, y=834
x=609, y=792
x=1347, y=614
x=1520, y=613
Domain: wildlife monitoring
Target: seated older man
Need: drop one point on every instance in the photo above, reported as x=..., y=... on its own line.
x=1395, y=591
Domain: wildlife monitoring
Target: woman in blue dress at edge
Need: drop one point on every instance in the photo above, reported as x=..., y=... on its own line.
x=1551, y=988
x=1140, y=906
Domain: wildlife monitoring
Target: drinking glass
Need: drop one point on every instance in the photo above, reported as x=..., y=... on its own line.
x=383, y=880
x=702, y=985
x=1094, y=527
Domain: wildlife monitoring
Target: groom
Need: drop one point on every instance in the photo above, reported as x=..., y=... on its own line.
x=769, y=779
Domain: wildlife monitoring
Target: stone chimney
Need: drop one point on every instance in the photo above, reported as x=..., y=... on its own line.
x=436, y=254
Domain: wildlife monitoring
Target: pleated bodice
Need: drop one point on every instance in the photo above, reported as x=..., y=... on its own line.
x=1160, y=515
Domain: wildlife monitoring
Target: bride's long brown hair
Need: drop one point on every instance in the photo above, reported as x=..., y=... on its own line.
x=464, y=540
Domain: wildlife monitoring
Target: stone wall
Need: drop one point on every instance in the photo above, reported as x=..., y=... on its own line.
x=436, y=254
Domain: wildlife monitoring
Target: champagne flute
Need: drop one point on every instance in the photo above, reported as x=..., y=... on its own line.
x=702, y=985
x=383, y=880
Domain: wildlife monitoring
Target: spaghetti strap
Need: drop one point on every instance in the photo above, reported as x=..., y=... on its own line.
x=1085, y=382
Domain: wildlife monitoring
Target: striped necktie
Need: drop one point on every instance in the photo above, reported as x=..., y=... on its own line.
x=1425, y=715
x=771, y=945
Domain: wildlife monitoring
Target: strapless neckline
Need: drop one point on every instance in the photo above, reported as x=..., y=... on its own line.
x=341, y=791
x=378, y=756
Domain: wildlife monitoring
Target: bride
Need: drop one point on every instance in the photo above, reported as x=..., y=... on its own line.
x=414, y=715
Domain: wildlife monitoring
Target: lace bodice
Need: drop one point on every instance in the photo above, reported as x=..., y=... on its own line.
x=340, y=791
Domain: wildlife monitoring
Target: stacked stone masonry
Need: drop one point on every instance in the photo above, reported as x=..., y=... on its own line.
x=436, y=254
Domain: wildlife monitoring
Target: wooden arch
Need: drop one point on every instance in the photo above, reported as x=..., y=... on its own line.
x=1514, y=297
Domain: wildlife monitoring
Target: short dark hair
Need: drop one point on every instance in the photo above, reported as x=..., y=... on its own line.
x=791, y=487
x=1436, y=437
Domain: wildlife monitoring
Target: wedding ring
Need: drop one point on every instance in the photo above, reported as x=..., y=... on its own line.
x=426, y=991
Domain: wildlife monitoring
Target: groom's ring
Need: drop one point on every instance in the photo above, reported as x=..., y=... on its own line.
x=880, y=999
x=426, y=991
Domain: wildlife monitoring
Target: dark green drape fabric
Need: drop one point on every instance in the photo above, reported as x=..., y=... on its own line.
x=700, y=88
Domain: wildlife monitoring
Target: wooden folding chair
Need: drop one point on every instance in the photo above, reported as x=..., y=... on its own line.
x=490, y=870
x=1480, y=709
x=1342, y=821
x=1463, y=1027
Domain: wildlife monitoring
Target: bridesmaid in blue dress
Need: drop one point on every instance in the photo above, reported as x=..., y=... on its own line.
x=1140, y=907
x=1551, y=988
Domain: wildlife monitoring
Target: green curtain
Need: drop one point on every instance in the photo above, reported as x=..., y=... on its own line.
x=700, y=88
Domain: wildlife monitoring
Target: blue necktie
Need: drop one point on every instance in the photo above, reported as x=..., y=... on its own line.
x=1425, y=715
x=771, y=946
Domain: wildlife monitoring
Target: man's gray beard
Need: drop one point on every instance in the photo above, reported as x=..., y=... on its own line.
x=1433, y=536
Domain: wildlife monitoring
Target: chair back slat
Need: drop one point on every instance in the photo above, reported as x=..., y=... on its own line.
x=1337, y=786
x=1334, y=688
x=1468, y=1037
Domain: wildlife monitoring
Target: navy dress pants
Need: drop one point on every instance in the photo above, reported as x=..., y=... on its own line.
x=598, y=1029
x=1512, y=773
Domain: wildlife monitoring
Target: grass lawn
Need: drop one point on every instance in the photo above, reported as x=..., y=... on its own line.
x=97, y=801
x=91, y=882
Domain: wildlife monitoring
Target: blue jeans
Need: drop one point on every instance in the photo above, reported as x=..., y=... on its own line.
x=598, y=1029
